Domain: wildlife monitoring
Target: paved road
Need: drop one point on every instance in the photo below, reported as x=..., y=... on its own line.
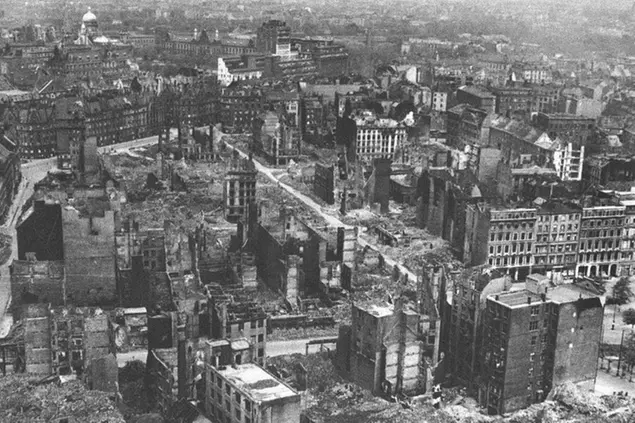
x=33, y=172
x=330, y=220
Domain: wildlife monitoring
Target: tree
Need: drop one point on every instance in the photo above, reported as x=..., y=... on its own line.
x=628, y=316
x=622, y=292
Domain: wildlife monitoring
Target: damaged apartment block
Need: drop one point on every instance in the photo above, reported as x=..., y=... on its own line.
x=382, y=351
x=298, y=256
x=69, y=340
x=239, y=189
x=511, y=347
x=221, y=330
x=72, y=222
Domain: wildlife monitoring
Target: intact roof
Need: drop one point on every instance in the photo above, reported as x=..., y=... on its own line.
x=256, y=383
x=569, y=293
x=518, y=298
x=477, y=91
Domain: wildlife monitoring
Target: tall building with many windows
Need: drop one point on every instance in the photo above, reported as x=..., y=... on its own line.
x=535, y=339
x=511, y=240
x=600, y=246
x=556, y=246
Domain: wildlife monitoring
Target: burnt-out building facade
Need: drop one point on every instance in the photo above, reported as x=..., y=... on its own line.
x=236, y=320
x=385, y=351
x=536, y=339
x=324, y=182
x=239, y=189
x=65, y=340
x=238, y=109
x=465, y=329
x=606, y=170
x=448, y=202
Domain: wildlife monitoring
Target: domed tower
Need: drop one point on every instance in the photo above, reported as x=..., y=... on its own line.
x=89, y=23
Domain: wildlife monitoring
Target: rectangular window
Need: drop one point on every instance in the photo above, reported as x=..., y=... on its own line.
x=534, y=340
x=535, y=310
x=533, y=325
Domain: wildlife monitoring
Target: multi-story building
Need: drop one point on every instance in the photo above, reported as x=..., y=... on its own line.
x=439, y=101
x=287, y=103
x=511, y=240
x=313, y=119
x=513, y=99
x=536, y=339
x=378, y=138
x=281, y=67
x=556, y=245
x=600, y=247
x=531, y=73
x=568, y=162
x=238, y=108
x=476, y=97
x=273, y=37
x=465, y=126
x=627, y=248
x=545, y=98
x=576, y=129
x=233, y=320
x=33, y=129
x=382, y=359
x=465, y=328
x=10, y=175
x=247, y=393
x=239, y=190
x=64, y=340
x=607, y=169
x=330, y=59
x=276, y=137
x=239, y=68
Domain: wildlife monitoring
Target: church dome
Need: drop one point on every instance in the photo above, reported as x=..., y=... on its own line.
x=89, y=17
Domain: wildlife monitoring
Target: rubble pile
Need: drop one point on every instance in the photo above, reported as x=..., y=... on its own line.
x=24, y=400
x=5, y=247
x=566, y=404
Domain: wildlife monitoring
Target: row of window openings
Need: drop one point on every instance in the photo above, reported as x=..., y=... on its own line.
x=508, y=236
x=599, y=257
x=554, y=228
x=500, y=249
x=512, y=261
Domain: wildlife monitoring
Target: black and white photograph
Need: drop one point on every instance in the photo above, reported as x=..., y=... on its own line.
x=317, y=211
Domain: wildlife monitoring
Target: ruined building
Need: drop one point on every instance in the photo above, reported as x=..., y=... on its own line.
x=382, y=351
x=82, y=271
x=276, y=137
x=513, y=346
x=537, y=339
x=248, y=393
x=239, y=189
x=221, y=330
x=465, y=323
x=69, y=340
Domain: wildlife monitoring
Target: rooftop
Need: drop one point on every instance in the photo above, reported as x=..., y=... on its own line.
x=569, y=293
x=477, y=91
x=256, y=383
x=513, y=299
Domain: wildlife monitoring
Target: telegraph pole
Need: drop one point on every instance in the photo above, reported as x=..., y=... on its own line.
x=619, y=357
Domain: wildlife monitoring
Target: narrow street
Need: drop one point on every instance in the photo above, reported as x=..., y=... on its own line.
x=33, y=172
x=330, y=220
